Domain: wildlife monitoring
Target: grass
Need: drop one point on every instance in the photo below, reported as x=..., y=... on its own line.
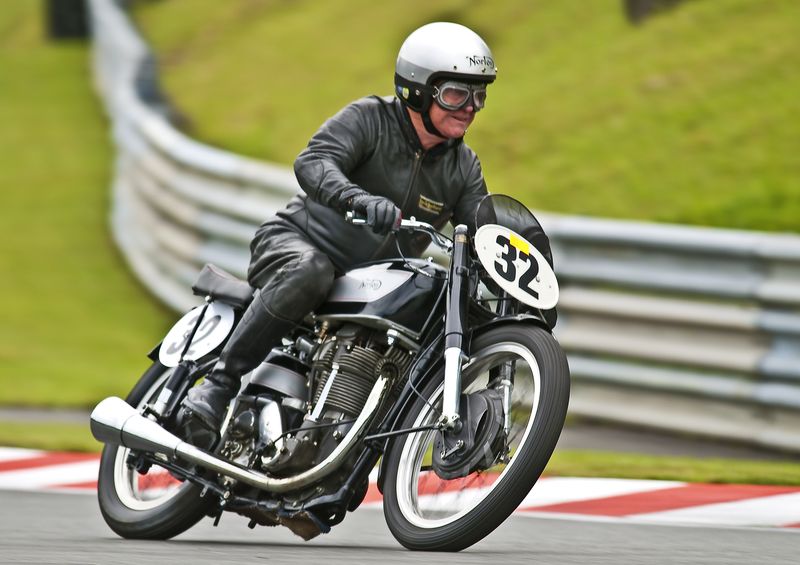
x=579, y=463
x=75, y=326
x=690, y=118
x=49, y=436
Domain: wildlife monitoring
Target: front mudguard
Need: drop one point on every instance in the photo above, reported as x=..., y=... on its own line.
x=505, y=320
x=408, y=396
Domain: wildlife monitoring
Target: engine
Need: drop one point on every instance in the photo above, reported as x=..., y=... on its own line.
x=303, y=400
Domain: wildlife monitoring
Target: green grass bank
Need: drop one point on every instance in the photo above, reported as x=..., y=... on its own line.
x=75, y=324
x=691, y=118
x=558, y=132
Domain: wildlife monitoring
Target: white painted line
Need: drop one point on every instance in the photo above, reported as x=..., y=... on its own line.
x=777, y=510
x=43, y=477
x=557, y=490
x=13, y=453
x=635, y=520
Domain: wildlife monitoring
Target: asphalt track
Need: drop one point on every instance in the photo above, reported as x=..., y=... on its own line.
x=46, y=528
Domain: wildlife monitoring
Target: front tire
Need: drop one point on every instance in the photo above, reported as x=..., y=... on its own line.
x=425, y=512
x=153, y=505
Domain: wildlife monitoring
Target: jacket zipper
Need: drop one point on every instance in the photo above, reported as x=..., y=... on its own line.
x=419, y=155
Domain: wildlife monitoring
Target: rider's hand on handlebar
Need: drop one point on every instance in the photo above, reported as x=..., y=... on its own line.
x=382, y=214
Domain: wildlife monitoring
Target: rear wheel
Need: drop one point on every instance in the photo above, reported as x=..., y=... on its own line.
x=427, y=512
x=153, y=505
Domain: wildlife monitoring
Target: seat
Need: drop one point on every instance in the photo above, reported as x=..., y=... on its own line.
x=223, y=286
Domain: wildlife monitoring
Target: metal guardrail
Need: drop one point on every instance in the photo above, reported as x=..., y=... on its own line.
x=683, y=328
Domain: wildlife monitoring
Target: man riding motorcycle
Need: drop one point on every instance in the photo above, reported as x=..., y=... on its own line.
x=383, y=157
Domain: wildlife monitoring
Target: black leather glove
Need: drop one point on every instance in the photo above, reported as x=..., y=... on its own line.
x=382, y=214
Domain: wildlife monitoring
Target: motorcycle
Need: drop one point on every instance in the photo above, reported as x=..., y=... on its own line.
x=441, y=387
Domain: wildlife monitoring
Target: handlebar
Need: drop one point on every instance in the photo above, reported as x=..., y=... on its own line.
x=438, y=238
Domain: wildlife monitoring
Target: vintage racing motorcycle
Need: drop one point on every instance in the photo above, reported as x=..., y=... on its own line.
x=443, y=389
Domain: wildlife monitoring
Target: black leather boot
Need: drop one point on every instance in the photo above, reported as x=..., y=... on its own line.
x=255, y=335
x=208, y=400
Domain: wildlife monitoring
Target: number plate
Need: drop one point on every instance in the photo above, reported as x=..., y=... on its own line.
x=517, y=266
x=215, y=327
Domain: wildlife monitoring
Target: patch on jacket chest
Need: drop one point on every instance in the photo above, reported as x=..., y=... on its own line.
x=430, y=205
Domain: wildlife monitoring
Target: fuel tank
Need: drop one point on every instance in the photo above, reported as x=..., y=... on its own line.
x=397, y=293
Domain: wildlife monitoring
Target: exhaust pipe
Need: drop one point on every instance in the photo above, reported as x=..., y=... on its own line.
x=115, y=421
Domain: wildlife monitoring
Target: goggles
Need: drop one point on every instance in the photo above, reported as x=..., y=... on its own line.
x=452, y=95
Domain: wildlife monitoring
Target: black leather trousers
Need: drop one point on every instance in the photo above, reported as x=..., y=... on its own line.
x=293, y=278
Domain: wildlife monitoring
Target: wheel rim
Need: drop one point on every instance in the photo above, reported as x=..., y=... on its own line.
x=426, y=500
x=157, y=486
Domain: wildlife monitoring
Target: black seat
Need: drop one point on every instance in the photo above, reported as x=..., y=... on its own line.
x=221, y=285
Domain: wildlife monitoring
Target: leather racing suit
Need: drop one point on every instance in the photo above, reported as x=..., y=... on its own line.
x=369, y=145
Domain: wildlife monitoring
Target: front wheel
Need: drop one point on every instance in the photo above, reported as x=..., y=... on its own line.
x=146, y=506
x=427, y=512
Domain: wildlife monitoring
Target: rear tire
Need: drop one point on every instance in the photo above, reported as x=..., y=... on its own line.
x=134, y=512
x=425, y=512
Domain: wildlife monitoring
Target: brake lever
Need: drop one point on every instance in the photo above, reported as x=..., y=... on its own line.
x=412, y=224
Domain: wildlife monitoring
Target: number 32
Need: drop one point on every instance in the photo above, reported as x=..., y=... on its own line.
x=508, y=270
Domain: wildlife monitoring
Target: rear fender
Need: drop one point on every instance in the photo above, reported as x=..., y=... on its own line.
x=208, y=327
x=153, y=355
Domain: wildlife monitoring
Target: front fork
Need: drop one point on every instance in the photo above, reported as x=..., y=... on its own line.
x=454, y=356
x=455, y=317
x=503, y=378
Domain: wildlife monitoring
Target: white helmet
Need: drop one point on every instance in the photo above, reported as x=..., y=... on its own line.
x=436, y=51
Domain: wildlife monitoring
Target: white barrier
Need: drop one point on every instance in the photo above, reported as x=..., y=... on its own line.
x=685, y=328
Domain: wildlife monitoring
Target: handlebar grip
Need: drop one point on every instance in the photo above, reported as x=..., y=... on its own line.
x=411, y=224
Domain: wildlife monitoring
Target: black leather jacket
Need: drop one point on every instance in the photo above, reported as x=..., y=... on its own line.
x=372, y=144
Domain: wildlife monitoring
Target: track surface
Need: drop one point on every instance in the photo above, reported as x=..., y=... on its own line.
x=67, y=528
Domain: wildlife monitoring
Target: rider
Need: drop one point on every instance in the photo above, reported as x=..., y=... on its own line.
x=383, y=157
